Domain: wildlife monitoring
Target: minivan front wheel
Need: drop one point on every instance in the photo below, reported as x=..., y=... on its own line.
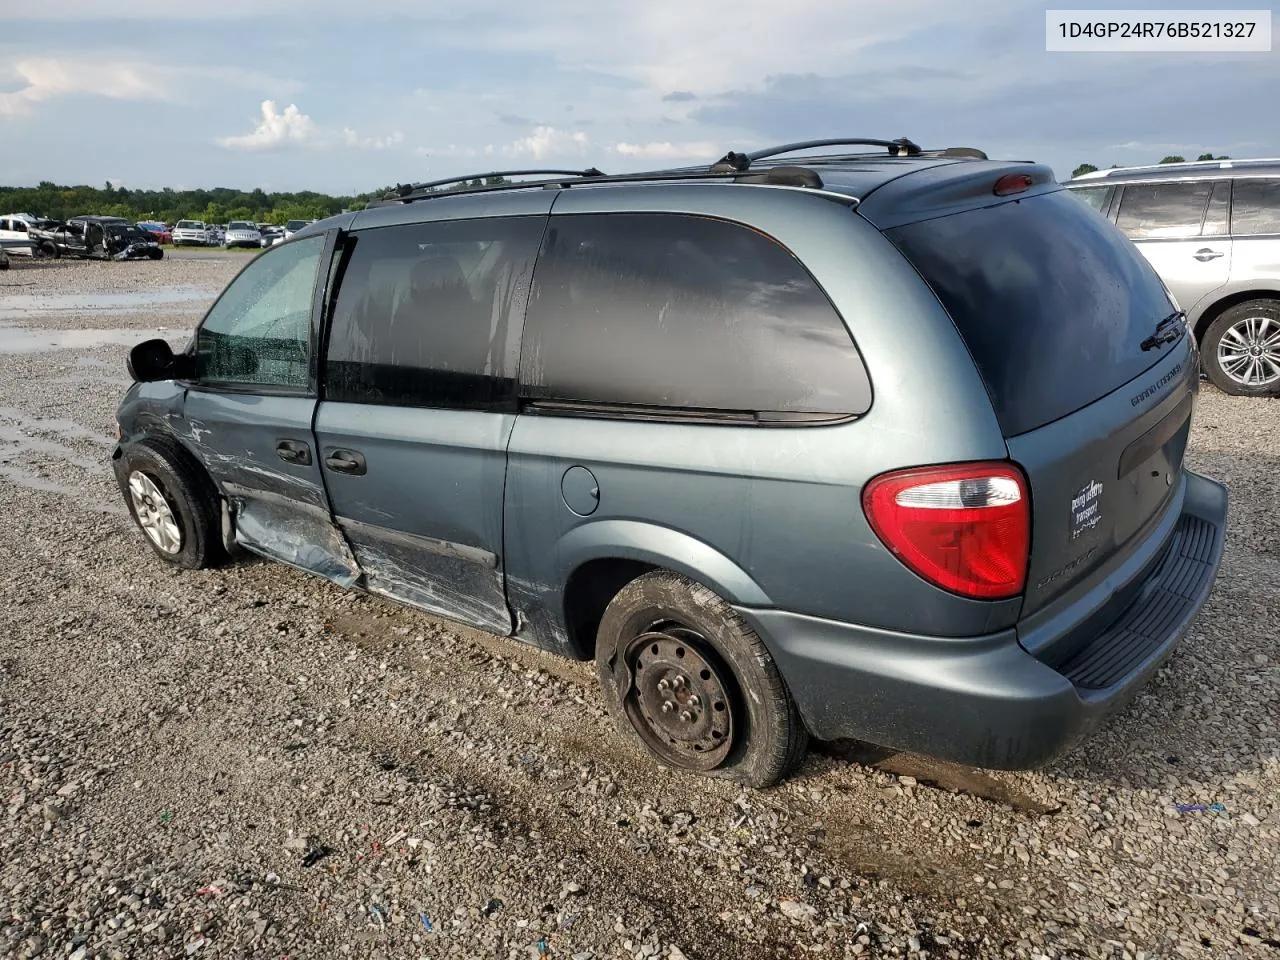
x=1241, y=349
x=173, y=509
x=688, y=681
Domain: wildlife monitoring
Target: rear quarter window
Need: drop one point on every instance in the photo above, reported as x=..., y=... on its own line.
x=1052, y=301
x=685, y=314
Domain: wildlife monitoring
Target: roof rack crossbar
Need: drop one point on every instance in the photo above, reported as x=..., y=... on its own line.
x=404, y=189
x=902, y=147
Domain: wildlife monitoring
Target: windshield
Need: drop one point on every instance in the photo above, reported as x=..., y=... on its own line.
x=295, y=225
x=189, y=225
x=241, y=225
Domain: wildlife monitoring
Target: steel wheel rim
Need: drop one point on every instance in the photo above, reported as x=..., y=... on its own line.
x=154, y=513
x=681, y=697
x=1249, y=351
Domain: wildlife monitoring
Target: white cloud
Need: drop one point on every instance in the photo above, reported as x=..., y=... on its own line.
x=42, y=78
x=548, y=141
x=276, y=129
x=46, y=78
x=666, y=150
x=351, y=139
x=291, y=127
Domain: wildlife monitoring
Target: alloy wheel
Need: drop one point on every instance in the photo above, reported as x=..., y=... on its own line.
x=154, y=513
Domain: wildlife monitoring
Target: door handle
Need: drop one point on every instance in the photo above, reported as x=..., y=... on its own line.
x=1204, y=254
x=345, y=461
x=294, y=451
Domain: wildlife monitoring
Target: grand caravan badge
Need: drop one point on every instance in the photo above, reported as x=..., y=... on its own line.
x=1086, y=509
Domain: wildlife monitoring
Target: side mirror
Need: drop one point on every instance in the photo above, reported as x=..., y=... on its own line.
x=154, y=360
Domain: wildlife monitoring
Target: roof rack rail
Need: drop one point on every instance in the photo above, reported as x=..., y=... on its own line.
x=902, y=147
x=403, y=190
x=789, y=176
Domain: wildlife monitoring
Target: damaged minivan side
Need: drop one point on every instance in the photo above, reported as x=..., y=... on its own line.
x=759, y=439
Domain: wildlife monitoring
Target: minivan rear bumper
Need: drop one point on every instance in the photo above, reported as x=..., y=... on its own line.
x=985, y=701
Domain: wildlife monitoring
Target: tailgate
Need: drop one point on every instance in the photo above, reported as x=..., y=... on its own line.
x=1102, y=477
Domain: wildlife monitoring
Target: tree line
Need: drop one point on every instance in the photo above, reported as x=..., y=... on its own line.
x=217, y=205
x=1173, y=158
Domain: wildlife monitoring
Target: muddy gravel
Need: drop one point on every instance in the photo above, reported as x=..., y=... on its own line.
x=246, y=762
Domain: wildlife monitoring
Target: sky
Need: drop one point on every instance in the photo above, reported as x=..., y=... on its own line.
x=347, y=97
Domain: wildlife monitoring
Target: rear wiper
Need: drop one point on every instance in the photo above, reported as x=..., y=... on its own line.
x=1167, y=330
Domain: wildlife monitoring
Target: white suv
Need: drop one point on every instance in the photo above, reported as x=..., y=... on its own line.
x=191, y=233
x=241, y=233
x=14, y=233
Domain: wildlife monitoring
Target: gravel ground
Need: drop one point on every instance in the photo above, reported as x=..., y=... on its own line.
x=247, y=762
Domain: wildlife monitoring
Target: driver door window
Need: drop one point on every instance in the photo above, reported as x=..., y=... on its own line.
x=259, y=331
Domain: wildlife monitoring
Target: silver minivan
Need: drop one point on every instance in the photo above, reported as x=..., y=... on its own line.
x=1212, y=231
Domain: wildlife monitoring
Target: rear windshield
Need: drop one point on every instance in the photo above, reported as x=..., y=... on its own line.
x=1052, y=301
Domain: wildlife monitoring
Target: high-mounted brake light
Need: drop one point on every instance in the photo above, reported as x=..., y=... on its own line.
x=965, y=527
x=1012, y=183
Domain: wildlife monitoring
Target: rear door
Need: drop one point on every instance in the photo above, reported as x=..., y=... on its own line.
x=1060, y=314
x=1181, y=228
x=419, y=404
x=248, y=412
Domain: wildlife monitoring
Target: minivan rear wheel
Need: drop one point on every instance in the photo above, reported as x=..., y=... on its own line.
x=175, y=512
x=688, y=681
x=1241, y=349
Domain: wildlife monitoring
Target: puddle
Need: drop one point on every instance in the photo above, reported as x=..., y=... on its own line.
x=18, y=305
x=34, y=340
x=31, y=481
x=56, y=425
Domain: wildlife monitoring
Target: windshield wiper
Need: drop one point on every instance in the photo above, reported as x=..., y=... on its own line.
x=1167, y=330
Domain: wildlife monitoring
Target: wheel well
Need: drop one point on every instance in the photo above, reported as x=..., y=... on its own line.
x=588, y=592
x=1226, y=303
x=187, y=460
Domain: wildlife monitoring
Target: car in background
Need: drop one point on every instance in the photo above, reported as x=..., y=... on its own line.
x=293, y=226
x=1212, y=231
x=97, y=238
x=160, y=231
x=15, y=233
x=241, y=233
x=192, y=233
x=270, y=234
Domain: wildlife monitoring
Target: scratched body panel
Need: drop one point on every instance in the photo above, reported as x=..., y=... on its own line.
x=425, y=519
x=280, y=508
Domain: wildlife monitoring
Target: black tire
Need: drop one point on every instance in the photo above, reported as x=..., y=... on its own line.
x=1267, y=310
x=50, y=250
x=758, y=736
x=189, y=496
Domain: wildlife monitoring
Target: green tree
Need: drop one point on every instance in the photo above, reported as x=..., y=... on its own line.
x=1173, y=158
x=1210, y=156
x=1083, y=168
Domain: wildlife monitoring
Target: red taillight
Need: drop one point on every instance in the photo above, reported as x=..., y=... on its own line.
x=965, y=528
x=1012, y=183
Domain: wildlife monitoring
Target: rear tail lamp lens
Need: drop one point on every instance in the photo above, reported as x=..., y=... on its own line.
x=965, y=528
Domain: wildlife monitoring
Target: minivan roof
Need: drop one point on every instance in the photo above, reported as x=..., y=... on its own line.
x=947, y=179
